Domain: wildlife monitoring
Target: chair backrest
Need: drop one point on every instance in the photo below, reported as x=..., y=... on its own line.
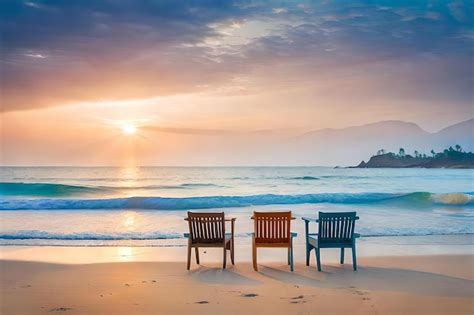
x=336, y=227
x=206, y=227
x=272, y=227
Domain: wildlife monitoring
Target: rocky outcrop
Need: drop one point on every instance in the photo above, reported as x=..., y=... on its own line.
x=447, y=159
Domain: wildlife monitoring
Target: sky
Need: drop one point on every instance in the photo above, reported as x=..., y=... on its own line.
x=159, y=82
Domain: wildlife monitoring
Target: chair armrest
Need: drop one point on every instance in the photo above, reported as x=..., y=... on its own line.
x=186, y=219
x=230, y=219
x=186, y=235
x=356, y=235
x=309, y=219
x=294, y=234
x=357, y=218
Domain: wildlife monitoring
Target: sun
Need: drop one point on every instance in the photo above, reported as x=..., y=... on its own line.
x=129, y=129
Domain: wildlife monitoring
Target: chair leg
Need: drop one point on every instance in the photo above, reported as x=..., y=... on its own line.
x=232, y=252
x=308, y=247
x=289, y=256
x=189, y=257
x=308, y=253
x=354, y=259
x=254, y=255
x=318, y=260
x=225, y=258
x=292, y=267
x=197, y=254
x=342, y=255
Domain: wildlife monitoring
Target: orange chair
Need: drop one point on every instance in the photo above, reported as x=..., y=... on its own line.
x=272, y=229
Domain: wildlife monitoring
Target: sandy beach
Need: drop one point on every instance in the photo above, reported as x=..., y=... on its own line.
x=422, y=284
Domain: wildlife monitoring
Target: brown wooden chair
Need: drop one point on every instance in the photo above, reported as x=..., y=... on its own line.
x=208, y=230
x=272, y=229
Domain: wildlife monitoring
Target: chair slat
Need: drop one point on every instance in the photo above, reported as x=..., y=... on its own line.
x=272, y=227
x=336, y=227
x=206, y=227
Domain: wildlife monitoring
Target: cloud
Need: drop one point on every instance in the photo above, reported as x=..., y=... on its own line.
x=92, y=50
x=189, y=131
x=40, y=56
x=279, y=10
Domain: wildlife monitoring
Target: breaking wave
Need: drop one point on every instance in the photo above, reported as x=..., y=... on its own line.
x=417, y=199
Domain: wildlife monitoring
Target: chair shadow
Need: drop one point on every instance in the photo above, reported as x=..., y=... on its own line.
x=221, y=276
x=375, y=278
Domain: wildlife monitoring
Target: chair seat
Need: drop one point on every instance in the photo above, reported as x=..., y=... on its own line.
x=315, y=235
x=293, y=234
x=228, y=239
x=313, y=241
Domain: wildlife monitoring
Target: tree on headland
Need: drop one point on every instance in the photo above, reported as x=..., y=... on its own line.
x=417, y=154
x=381, y=152
x=458, y=148
x=401, y=152
x=433, y=153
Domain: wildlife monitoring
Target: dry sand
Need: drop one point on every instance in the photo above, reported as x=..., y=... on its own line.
x=383, y=285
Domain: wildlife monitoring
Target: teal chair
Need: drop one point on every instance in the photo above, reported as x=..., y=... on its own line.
x=335, y=230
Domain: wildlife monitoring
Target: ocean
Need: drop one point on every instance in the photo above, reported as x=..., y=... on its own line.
x=145, y=206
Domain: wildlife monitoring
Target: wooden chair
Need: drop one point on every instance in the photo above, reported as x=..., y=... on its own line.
x=335, y=230
x=208, y=230
x=272, y=229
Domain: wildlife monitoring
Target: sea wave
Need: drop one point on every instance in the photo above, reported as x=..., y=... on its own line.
x=46, y=189
x=306, y=178
x=59, y=190
x=49, y=236
x=93, y=236
x=44, y=235
x=417, y=199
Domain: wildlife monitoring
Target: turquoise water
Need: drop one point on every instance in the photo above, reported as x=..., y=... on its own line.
x=90, y=206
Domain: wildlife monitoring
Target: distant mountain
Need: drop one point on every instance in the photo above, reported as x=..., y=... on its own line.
x=325, y=147
x=350, y=145
x=462, y=132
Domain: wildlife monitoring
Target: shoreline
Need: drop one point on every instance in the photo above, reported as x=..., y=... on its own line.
x=170, y=251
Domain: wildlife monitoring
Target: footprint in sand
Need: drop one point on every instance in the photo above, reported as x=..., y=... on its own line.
x=299, y=297
x=296, y=299
x=363, y=294
x=355, y=291
x=297, y=302
x=26, y=286
x=61, y=309
x=202, y=302
x=249, y=295
x=126, y=284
